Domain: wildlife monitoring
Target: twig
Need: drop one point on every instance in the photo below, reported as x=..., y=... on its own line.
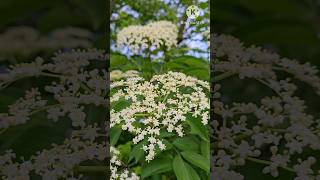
x=222, y=76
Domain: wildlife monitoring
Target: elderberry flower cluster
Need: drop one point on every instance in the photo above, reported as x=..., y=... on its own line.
x=279, y=124
x=162, y=104
x=72, y=87
x=26, y=40
x=57, y=162
x=115, y=167
x=153, y=35
x=253, y=62
x=73, y=84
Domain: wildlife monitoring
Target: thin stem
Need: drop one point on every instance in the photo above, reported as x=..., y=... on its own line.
x=166, y=97
x=141, y=114
x=44, y=108
x=280, y=69
x=3, y=130
x=91, y=169
x=34, y=112
x=51, y=75
x=268, y=163
x=6, y=84
x=83, y=86
x=222, y=76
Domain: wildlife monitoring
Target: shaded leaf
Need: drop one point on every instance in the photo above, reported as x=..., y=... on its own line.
x=156, y=166
x=187, y=144
x=197, y=160
x=198, y=128
x=183, y=170
x=115, y=133
x=137, y=152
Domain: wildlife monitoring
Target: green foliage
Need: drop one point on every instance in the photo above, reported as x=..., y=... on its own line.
x=125, y=150
x=183, y=170
x=205, y=149
x=190, y=65
x=187, y=143
x=117, y=61
x=172, y=162
x=115, y=133
x=137, y=152
x=156, y=166
x=121, y=104
x=197, y=160
x=198, y=128
x=284, y=26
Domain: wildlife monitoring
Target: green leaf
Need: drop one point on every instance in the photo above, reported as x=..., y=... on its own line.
x=137, y=169
x=198, y=128
x=182, y=62
x=156, y=177
x=117, y=60
x=197, y=160
x=183, y=170
x=125, y=150
x=187, y=143
x=164, y=134
x=205, y=149
x=156, y=166
x=115, y=133
x=121, y=104
x=190, y=65
x=202, y=74
x=203, y=5
x=168, y=144
x=137, y=152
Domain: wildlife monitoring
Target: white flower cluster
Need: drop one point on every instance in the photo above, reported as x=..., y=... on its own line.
x=153, y=35
x=254, y=62
x=20, y=111
x=72, y=87
x=117, y=74
x=26, y=40
x=115, y=165
x=57, y=162
x=74, y=84
x=242, y=131
x=161, y=104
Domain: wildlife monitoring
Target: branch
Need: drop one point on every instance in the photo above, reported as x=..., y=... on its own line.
x=268, y=163
x=182, y=28
x=222, y=76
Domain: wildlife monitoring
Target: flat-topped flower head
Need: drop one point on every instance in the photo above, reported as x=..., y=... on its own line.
x=162, y=104
x=154, y=35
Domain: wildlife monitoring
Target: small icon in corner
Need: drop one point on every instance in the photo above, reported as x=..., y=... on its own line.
x=193, y=11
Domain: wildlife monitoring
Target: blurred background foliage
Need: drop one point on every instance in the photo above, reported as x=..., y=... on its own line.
x=290, y=28
x=46, y=16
